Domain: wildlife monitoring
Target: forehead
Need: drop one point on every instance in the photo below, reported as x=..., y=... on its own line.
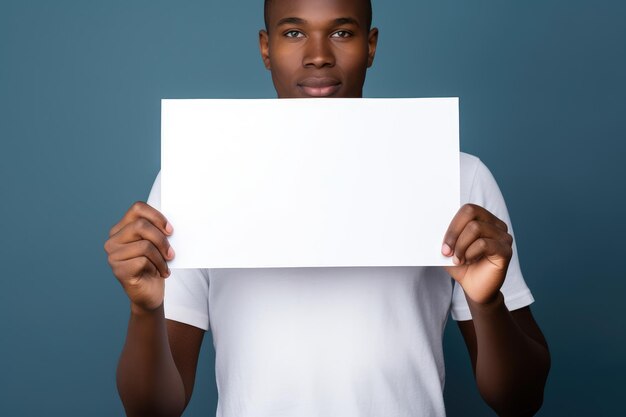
x=317, y=10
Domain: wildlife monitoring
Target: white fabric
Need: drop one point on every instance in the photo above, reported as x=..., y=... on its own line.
x=333, y=341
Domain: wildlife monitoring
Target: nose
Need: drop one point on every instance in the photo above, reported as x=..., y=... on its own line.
x=318, y=53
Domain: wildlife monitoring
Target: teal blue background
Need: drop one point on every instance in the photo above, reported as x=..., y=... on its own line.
x=543, y=103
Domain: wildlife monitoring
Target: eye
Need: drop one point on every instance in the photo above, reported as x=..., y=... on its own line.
x=294, y=34
x=341, y=34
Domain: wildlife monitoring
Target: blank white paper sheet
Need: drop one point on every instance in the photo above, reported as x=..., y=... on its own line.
x=309, y=182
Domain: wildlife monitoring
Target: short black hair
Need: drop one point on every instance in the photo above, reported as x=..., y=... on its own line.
x=267, y=8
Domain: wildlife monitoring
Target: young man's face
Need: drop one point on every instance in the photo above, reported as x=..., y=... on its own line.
x=318, y=48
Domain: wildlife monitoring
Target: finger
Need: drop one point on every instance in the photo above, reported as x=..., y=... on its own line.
x=142, y=210
x=466, y=214
x=487, y=248
x=134, y=268
x=142, y=229
x=473, y=231
x=138, y=249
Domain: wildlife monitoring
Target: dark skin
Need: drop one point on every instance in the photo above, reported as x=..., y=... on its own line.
x=322, y=48
x=323, y=51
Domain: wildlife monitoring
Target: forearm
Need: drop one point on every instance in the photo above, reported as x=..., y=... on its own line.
x=148, y=381
x=511, y=367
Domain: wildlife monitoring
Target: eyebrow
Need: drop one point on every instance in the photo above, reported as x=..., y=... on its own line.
x=300, y=21
x=291, y=21
x=346, y=21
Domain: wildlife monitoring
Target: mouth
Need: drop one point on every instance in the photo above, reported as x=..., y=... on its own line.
x=319, y=87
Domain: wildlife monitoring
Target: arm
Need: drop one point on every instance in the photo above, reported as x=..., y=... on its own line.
x=156, y=370
x=509, y=354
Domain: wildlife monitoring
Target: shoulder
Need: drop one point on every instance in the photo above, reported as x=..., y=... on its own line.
x=471, y=168
x=478, y=185
x=469, y=161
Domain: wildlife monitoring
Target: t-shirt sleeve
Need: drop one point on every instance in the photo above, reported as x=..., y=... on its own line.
x=484, y=191
x=186, y=290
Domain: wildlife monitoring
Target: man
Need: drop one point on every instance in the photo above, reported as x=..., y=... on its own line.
x=328, y=341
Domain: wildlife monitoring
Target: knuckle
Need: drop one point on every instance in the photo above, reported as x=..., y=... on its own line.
x=142, y=264
x=470, y=257
x=482, y=244
x=145, y=246
x=141, y=224
x=119, y=271
x=468, y=209
x=130, y=283
x=137, y=207
x=474, y=227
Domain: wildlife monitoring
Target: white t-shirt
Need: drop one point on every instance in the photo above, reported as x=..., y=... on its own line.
x=313, y=342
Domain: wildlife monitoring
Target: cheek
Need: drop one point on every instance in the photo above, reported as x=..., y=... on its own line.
x=355, y=66
x=283, y=70
x=354, y=57
x=283, y=64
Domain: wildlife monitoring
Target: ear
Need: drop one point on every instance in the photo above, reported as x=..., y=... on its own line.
x=372, y=41
x=264, y=46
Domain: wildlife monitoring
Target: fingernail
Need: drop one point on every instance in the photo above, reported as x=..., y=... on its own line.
x=456, y=260
x=168, y=273
x=446, y=249
x=170, y=253
x=168, y=228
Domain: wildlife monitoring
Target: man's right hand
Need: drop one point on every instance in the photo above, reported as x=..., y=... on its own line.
x=138, y=252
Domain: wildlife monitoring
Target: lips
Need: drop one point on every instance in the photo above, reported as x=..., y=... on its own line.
x=319, y=86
